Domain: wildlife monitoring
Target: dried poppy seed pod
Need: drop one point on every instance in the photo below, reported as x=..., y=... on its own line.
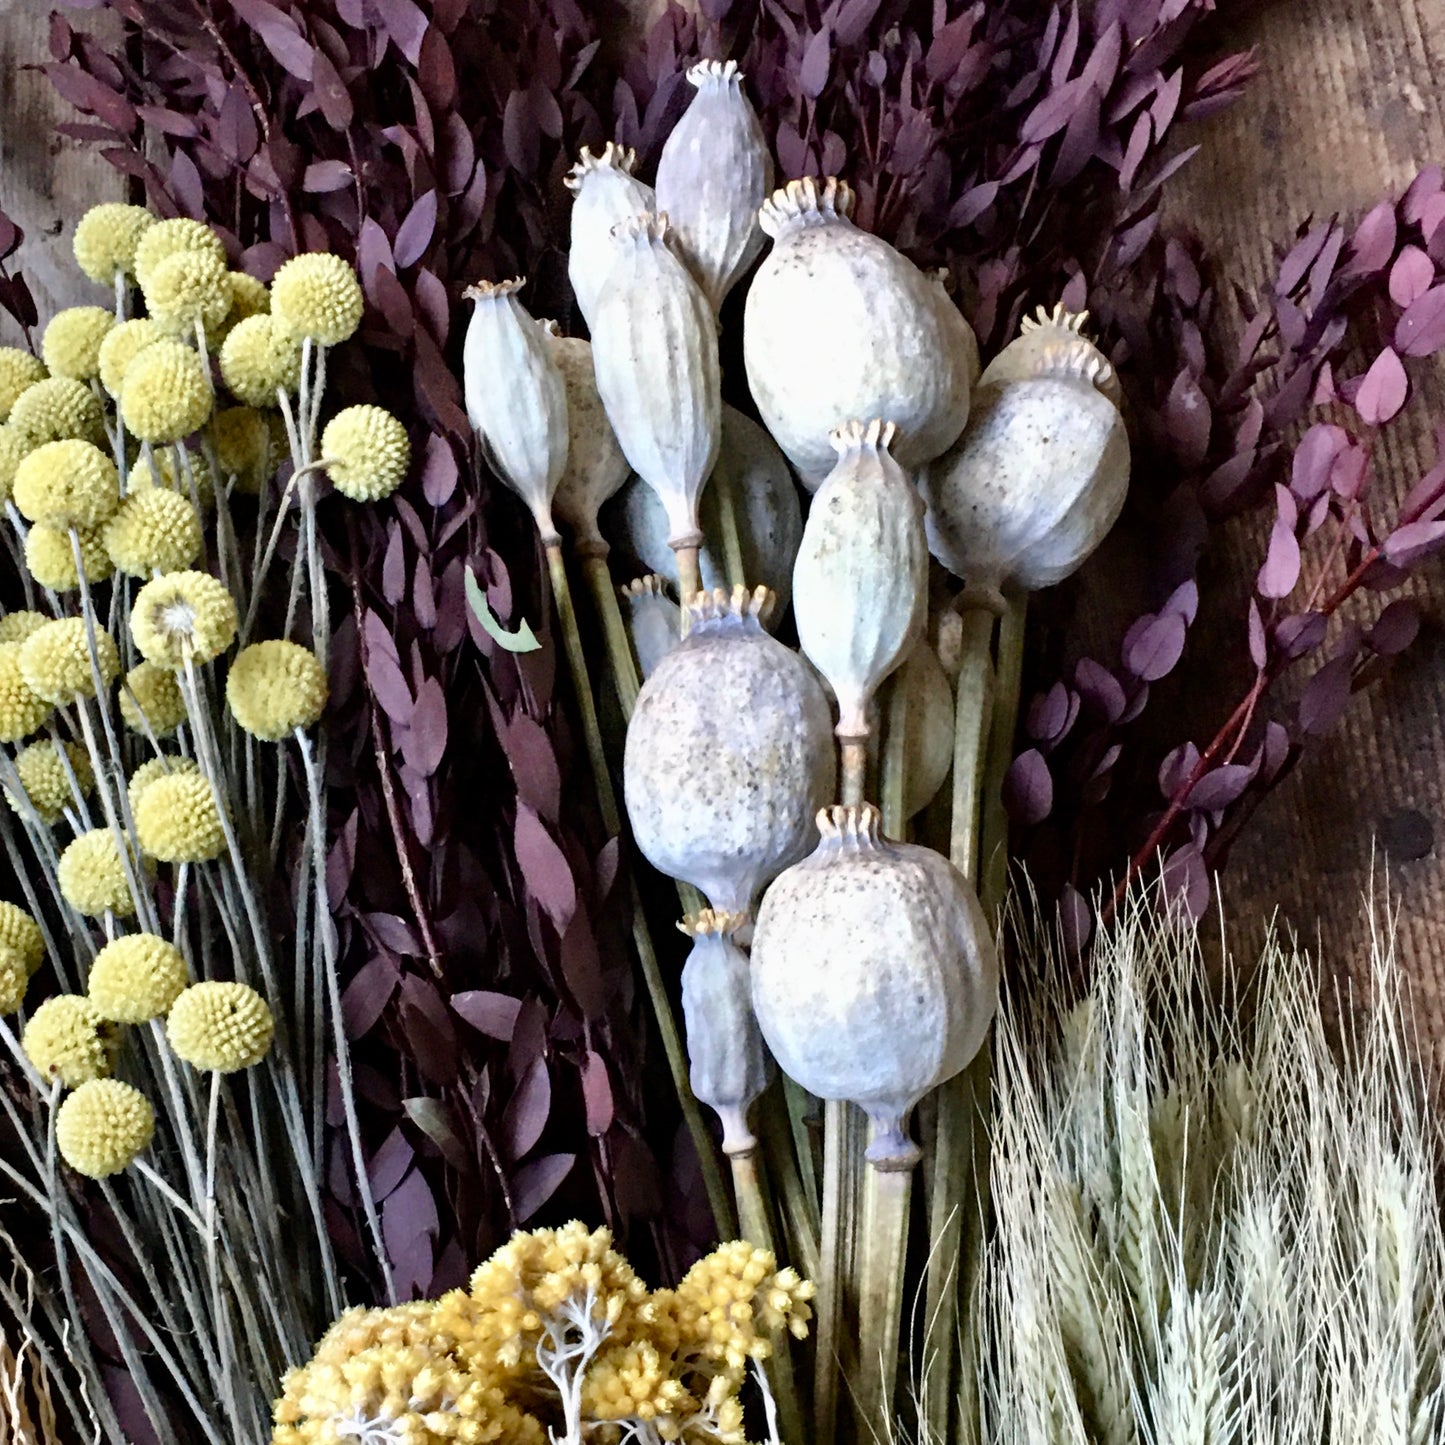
x=860, y=583
x=714, y=174
x=1028, y=353
x=943, y=297
x=839, y=325
x=929, y=726
x=728, y=754
x=596, y=468
x=652, y=621
x=516, y=397
x=728, y=1061
x=654, y=347
x=874, y=974
x=765, y=509
x=1038, y=478
x=606, y=192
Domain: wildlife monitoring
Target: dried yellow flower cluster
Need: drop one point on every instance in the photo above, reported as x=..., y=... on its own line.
x=556, y=1331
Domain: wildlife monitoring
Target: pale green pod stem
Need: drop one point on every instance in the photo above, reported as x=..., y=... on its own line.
x=516, y=398
x=606, y=192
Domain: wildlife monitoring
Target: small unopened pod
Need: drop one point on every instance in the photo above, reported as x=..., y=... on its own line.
x=728, y=1063
x=596, y=468
x=860, y=583
x=714, y=173
x=729, y=753
x=839, y=325
x=605, y=192
x=753, y=475
x=1039, y=477
x=874, y=974
x=922, y=702
x=654, y=348
x=516, y=397
x=652, y=621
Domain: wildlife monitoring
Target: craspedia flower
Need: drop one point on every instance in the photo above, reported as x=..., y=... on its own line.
x=152, y=698
x=136, y=978
x=258, y=359
x=166, y=393
x=71, y=344
x=106, y=239
x=165, y=239
x=220, y=1027
x=276, y=687
x=12, y=452
x=22, y=709
x=17, y=626
x=121, y=346
x=242, y=444
x=154, y=531
x=161, y=471
x=18, y=372
x=57, y=409
x=18, y=930
x=67, y=484
x=14, y=980
x=55, y=660
x=249, y=297
x=69, y=1039
x=187, y=289
x=153, y=769
x=177, y=819
x=317, y=295
x=366, y=452
x=103, y=1127
x=51, y=562
x=92, y=876
x=180, y=615
x=43, y=776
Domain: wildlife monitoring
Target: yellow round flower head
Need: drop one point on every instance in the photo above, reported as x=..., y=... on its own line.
x=242, y=443
x=258, y=359
x=317, y=295
x=220, y=1027
x=276, y=687
x=184, y=614
x=154, y=531
x=18, y=372
x=46, y=782
x=17, y=626
x=163, y=472
x=177, y=820
x=249, y=297
x=14, y=980
x=121, y=346
x=67, y=484
x=51, y=562
x=153, y=769
x=56, y=660
x=166, y=238
x=57, y=409
x=18, y=930
x=22, y=709
x=152, y=695
x=12, y=452
x=69, y=1039
x=136, y=978
x=166, y=393
x=366, y=452
x=106, y=239
x=71, y=344
x=103, y=1127
x=92, y=877
x=187, y=288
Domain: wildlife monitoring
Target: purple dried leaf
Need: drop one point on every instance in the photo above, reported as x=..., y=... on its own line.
x=1220, y=787
x=1281, y=569
x=1326, y=695
x=1349, y=472
x=1076, y=920
x=1100, y=689
x=1420, y=331
x=1184, y=600
x=816, y=63
x=1028, y=788
x=429, y=1029
x=1048, y=714
x=494, y=1014
x=582, y=965
x=1298, y=635
x=1385, y=386
x=367, y=995
x=597, y=1094
x=1425, y=186
x=387, y=1167
x=425, y=743
x=434, y=1120
x=409, y=1215
x=545, y=869
x=414, y=234
x=394, y=932
x=1411, y=277
x=322, y=176
x=1274, y=750
x=1373, y=243
x=1258, y=650
x=537, y=1181
x=1408, y=544
x=1179, y=763
x=1154, y=645
x=1395, y=628
x=1313, y=459
x=527, y=1110
x=1186, y=881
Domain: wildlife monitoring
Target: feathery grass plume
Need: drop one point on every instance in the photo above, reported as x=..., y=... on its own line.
x=1213, y=1226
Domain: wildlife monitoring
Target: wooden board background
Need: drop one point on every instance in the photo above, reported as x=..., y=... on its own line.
x=1346, y=109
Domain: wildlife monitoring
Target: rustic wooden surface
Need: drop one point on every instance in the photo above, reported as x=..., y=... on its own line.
x=1347, y=108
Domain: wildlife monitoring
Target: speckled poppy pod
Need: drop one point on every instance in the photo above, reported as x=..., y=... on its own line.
x=860, y=582
x=714, y=173
x=1028, y=354
x=728, y=1062
x=516, y=397
x=728, y=754
x=596, y=468
x=839, y=325
x=929, y=737
x=606, y=192
x=1040, y=475
x=874, y=974
x=652, y=618
x=654, y=348
x=765, y=509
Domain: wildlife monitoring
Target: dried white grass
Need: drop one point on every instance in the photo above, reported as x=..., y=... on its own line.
x=1211, y=1227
